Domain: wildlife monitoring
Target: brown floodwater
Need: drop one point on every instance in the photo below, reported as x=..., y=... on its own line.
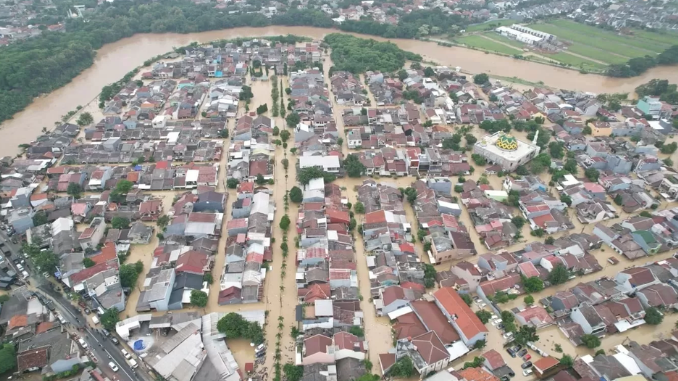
x=116, y=59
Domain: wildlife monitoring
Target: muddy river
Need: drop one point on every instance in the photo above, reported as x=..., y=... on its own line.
x=114, y=60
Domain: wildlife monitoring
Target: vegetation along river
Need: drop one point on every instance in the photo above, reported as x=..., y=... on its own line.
x=114, y=60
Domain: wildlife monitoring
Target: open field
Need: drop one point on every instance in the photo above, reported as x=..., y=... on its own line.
x=490, y=24
x=498, y=43
x=575, y=61
x=505, y=40
x=485, y=44
x=600, y=41
x=645, y=44
x=596, y=54
x=667, y=37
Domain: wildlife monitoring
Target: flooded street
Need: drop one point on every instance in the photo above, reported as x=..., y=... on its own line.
x=280, y=291
x=114, y=60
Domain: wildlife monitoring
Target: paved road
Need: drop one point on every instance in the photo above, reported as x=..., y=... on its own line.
x=104, y=350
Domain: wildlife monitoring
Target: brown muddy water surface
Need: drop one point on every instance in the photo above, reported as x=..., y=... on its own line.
x=116, y=59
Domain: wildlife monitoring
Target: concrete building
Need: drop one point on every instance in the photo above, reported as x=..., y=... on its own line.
x=506, y=151
x=650, y=106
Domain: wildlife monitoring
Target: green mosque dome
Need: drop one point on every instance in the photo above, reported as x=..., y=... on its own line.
x=507, y=143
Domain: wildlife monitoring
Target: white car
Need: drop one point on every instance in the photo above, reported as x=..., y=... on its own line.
x=19, y=267
x=113, y=366
x=527, y=372
x=82, y=342
x=507, y=335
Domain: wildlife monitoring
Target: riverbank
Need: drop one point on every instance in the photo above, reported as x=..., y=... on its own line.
x=114, y=60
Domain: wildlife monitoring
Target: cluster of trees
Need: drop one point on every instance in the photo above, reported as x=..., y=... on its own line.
x=659, y=88
x=129, y=273
x=305, y=175
x=7, y=358
x=110, y=318
x=45, y=261
x=639, y=65
x=402, y=368
x=198, y=298
x=353, y=166
x=358, y=55
x=235, y=326
x=416, y=24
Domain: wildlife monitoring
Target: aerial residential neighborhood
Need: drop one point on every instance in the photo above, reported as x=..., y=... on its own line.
x=280, y=203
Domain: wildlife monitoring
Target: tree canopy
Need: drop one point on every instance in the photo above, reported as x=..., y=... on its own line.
x=591, y=341
x=235, y=326
x=533, y=284
x=198, y=298
x=358, y=55
x=305, y=175
x=129, y=273
x=484, y=315
x=110, y=318
x=353, y=166
x=481, y=79
x=653, y=316
x=296, y=195
x=120, y=223
x=402, y=368
x=558, y=275
x=7, y=358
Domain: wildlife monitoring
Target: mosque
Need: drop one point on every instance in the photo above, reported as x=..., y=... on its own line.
x=505, y=150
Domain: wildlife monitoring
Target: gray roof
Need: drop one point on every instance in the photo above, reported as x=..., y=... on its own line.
x=60, y=344
x=16, y=305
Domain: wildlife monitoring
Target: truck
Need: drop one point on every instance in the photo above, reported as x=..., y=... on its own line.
x=132, y=363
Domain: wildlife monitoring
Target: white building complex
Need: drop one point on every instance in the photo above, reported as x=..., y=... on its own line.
x=506, y=151
x=524, y=34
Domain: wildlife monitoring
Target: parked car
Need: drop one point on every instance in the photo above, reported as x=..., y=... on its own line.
x=522, y=352
x=511, y=352
x=517, y=348
x=87, y=311
x=507, y=335
x=527, y=372
x=115, y=341
x=82, y=342
x=526, y=357
x=113, y=366
x=526, y=365
x=125, y=354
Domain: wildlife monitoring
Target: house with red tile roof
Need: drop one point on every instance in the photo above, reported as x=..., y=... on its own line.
x=545, y=366
x=658, y=296
x=393, y=298
x=347, y=345
x=535, y=316
x=463, y=319
x=318, y=349
x=150, y=210
x=635, y=278
x=477, y=374
x=92, y=236
x=193, y=262
x=528, y=269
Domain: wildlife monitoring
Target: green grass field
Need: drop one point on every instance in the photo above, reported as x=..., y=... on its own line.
x=645, y=44
x=593, y=40
x=667, y=38
x=596, y=54
x=480, y=42
x=575, y=61
x=498, y=37
x=489, y=24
